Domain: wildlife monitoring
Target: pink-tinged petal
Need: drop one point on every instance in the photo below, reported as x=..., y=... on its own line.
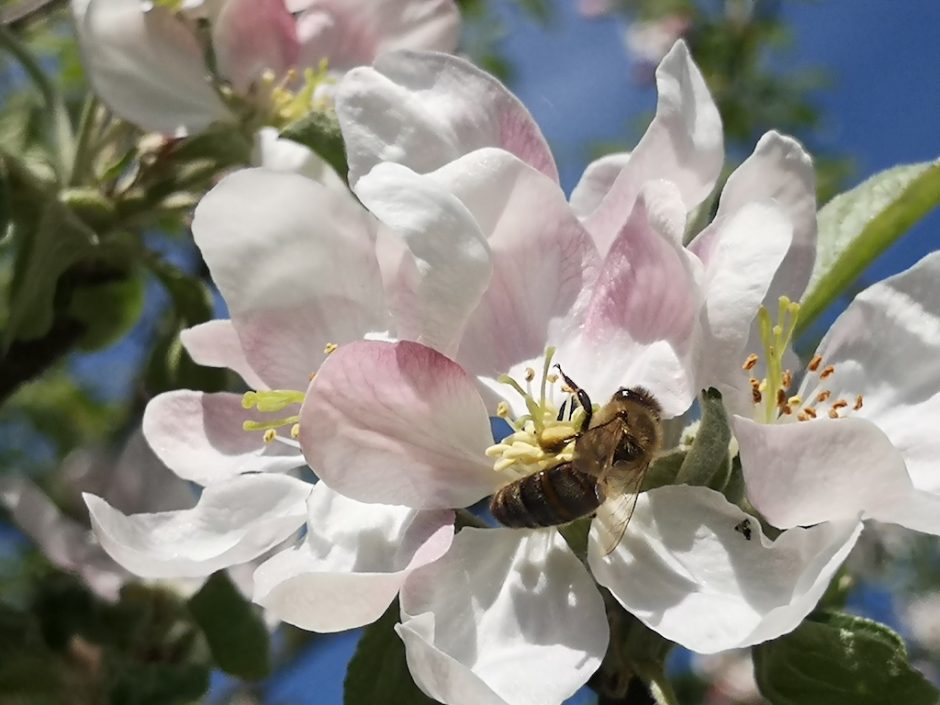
x=506, y=617
x=687, y=569
x=253, y=36
x=233, y=522
x=350, y=33
x=642, y=321
x=398, y=423
x=66, y=543
x=747, y=246
x=886, y=347
x=216, y=344
x=683, y=144
x=804, y=473
x=277, y=153
x=352, y=563
x=296, y=264
x=423, y=110
x=543, y=261
x=451, y=257
x=780, y=171
x=147, y=66
x=200, y=437
x=596, y=181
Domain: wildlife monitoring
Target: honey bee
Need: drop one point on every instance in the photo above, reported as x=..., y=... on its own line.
x=612, y=452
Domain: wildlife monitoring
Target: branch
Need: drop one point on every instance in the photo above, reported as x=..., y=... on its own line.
x=26, y=12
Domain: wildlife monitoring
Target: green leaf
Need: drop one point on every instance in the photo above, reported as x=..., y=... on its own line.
x=107, y=310
x=840, y=659
x=236, y=633
x=378, y=672
x=320, y=132
x=58, y=241
x=858, y=225
x=708, y=462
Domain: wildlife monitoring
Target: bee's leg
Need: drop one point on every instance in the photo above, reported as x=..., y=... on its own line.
x=583, y=399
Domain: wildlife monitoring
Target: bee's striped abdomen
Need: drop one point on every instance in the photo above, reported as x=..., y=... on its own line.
x=548, y=498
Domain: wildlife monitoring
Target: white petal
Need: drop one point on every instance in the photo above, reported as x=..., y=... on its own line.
x=596, y=181
x=804, y=473
x=452, y=258
x=687, y=573
x=683, y=144
x=505, y=617
x=64, y=542
x=398, y=423
x=353, y=32
x=781, y=171
x=642, y=323
x=250, y=37
x=423, y=110
x=147, y=67
x=886, y=347
x=216, y=344
x=746, y=247
x=233, y=522
x=296, y=264
x=200, y=437
x=352, y=562
x=543, y=259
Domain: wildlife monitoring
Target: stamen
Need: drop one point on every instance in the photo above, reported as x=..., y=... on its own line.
x=271, y=400
x=809, y=411
x=330, y=348
x=750, y=362
x=794, y=401
x=786, y=410
x=787, y=380
x=502, y=410
x=802, y=417
x=295, y=431
x=269, y=425
x=833, y=413
x=858, y=402
x=529, y=374
x=312, y=376
x=756, y=395
x=552, y=378
x=781, y=398
x=841, y=404
x=270, y=435
x=827, y=372
x=815, y=363
x=822, y=396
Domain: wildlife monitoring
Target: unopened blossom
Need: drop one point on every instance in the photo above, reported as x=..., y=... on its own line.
x=147, y=59
x=603, y=288
x=858, y=436
x=299, y=276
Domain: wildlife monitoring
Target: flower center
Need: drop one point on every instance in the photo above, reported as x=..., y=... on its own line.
x=287, y=102
x=770, y=394
x=545, y=436
x=272, y=401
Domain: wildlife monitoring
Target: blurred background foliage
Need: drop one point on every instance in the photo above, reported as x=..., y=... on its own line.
x=98, y=276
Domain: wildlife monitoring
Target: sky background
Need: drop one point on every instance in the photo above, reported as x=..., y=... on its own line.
x=882, y=108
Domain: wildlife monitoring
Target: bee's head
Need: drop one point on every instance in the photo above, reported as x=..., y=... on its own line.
x=639, y=396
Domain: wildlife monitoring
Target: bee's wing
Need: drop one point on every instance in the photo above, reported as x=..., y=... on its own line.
x=596, y=448
x=623, y=491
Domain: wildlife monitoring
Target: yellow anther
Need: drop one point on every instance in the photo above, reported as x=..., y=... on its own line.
x=815, y=363
x=795, y=400
x=249, y=399
x=270, y=435
x=750, y=362
x=295, y=431
x=502, y=410
x=552, y=378
x=330, y=348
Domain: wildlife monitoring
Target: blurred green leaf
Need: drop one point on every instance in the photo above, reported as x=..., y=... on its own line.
x=108, y=310
x=378, y=671
x=840, y=659
x=857, y=226
x=233, y=627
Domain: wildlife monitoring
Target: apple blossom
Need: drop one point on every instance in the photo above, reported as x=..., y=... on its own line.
x=312, y=280
x=147, y=59
x=857, y=438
